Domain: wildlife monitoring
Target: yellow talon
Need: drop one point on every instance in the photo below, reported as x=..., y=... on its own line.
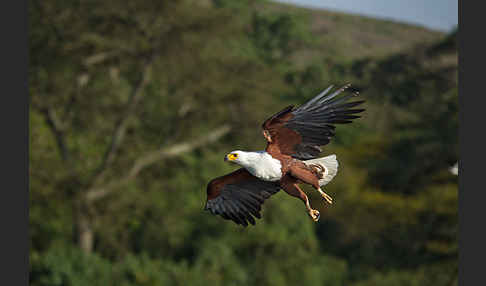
x=315, y=215
x=327, y=198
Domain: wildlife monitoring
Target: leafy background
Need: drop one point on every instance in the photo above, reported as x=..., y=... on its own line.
x=143, y=78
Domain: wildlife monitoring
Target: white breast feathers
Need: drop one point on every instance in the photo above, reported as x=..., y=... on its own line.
x=262, y=165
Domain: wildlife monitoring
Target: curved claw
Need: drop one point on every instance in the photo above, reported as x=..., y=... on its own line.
x=315, y=215
x=327, y=198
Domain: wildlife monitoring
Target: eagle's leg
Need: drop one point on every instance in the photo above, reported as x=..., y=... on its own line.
x=304, y=174
x=290, y=186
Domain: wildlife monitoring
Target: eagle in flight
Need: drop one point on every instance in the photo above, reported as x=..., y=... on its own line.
x=294, y=137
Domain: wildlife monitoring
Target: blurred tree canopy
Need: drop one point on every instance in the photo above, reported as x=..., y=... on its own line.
x=134, y=104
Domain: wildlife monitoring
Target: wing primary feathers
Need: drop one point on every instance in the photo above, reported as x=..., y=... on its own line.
x=251, y=220
x=330, y=111
x=345, y=111
x=349, y=104
x=322, y=107
x=338, y=121
x=225, y=212
x=310, y=102
x=215, y=208
x=319, y=100
x=238, y=196
x=326, y=118
x=225, y=216
x=339, y=100
x=252, y=205
x=237, y=212
x=243, y=210
x=257, y=197
x=249, y=203
x=241, y=207
x=228, y=212
x=252, y=209
x=312, y=125
x=253, y=202
x=331, y=96
x=232, y=213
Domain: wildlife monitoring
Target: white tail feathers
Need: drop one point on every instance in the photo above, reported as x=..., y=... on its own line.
x=330, y=165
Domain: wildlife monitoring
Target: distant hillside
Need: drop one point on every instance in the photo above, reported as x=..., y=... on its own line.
x=349, y=36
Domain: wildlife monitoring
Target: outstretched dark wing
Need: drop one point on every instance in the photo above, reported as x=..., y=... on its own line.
x=238, y=196
x=299, y=132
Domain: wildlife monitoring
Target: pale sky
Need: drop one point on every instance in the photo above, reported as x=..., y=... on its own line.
x=434, y=14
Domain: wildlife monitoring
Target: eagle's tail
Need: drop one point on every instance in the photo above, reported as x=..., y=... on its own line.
x=330, y=167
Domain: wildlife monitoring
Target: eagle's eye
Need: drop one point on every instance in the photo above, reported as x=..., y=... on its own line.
x=232, y=156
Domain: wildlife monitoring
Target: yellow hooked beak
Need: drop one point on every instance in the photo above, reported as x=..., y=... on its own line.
x=231, y=157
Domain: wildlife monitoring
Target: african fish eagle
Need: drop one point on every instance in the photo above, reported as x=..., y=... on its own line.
x=291, y=157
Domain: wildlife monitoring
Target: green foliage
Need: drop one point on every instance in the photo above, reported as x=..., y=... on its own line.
x=276, y=36
x=64, y=265
x=394, y=220
x=436, y=274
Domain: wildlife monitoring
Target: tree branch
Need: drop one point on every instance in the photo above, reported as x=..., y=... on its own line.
x=153, y=157
x=58, y=130
x=98, y=58
x=121, y=124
